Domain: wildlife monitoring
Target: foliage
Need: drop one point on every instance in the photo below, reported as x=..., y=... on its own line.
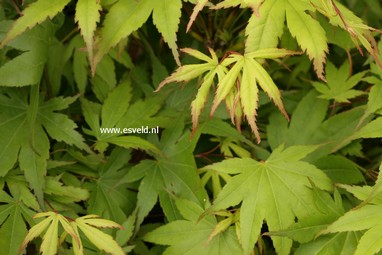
x=95, y=128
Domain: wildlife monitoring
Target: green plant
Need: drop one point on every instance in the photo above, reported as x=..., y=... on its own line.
x=95, y=131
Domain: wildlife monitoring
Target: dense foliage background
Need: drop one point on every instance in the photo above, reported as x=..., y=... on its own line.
x=268, y=115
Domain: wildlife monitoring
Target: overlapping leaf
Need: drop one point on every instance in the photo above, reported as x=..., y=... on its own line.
x=367, y=217
x=34, y=14
x=242, y=71
x=275, y=191
x=126, y=16
x=334, y=132
x=23, y=136
x=88, y=225
x=172, y=173
x=339, y=83
x=117, y=114
x=187, y=236
x=13, y=217
x=306, y=229
x=344, y=18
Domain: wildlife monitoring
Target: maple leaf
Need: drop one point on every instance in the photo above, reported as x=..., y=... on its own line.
x=344, y=18
x=306, y=229
x=276, y=191
x=174, y=172
x=126, y=16
x=14, y=216
x=189, y=236
x=366, y=216
x=24, y=129
x=264, y=30
x=244, y=70
x=339, y=83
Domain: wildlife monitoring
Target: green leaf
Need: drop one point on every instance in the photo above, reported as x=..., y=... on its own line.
x=174, y=172
x=339, y=83
x=31, y=148
x=374, y=103
x=371, y=130
x=109, y=194
x=123, y=18
x=87, y=16
x=166, y=17
x=34, y=14
x=23, y=70
x=134, y=142
x=340, y=169
x=362, y=218
x=27, y=68
x=190, y=237
x=264, y=30
x=308, y=33
x=116, y=104
x=275, y=191
x=56, y=188
x=333, y=133
x=13, y=214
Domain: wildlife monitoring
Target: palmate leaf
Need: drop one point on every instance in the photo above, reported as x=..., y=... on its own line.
x=342, y=17
x=31, y=148
x=109, y=195
x=366, y=216
x=174, y=172
x=88, y=224
x=126, y=16
x=333, y=133
x=275, y=191
x=189, y=72
x=188, y=236
x=118, y=113
x=339, y=83
x=244, y=70
x=307, y=228
x=13, y=217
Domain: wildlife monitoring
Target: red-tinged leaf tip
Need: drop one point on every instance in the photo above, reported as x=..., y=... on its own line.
x=198, y=7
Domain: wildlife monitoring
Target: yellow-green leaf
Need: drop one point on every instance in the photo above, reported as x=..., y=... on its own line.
x=249, y=97
x=50, y=239
x=166, y=17
x=34, y=232
x=309, y=35
x=101, y=240
x=87, y=16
